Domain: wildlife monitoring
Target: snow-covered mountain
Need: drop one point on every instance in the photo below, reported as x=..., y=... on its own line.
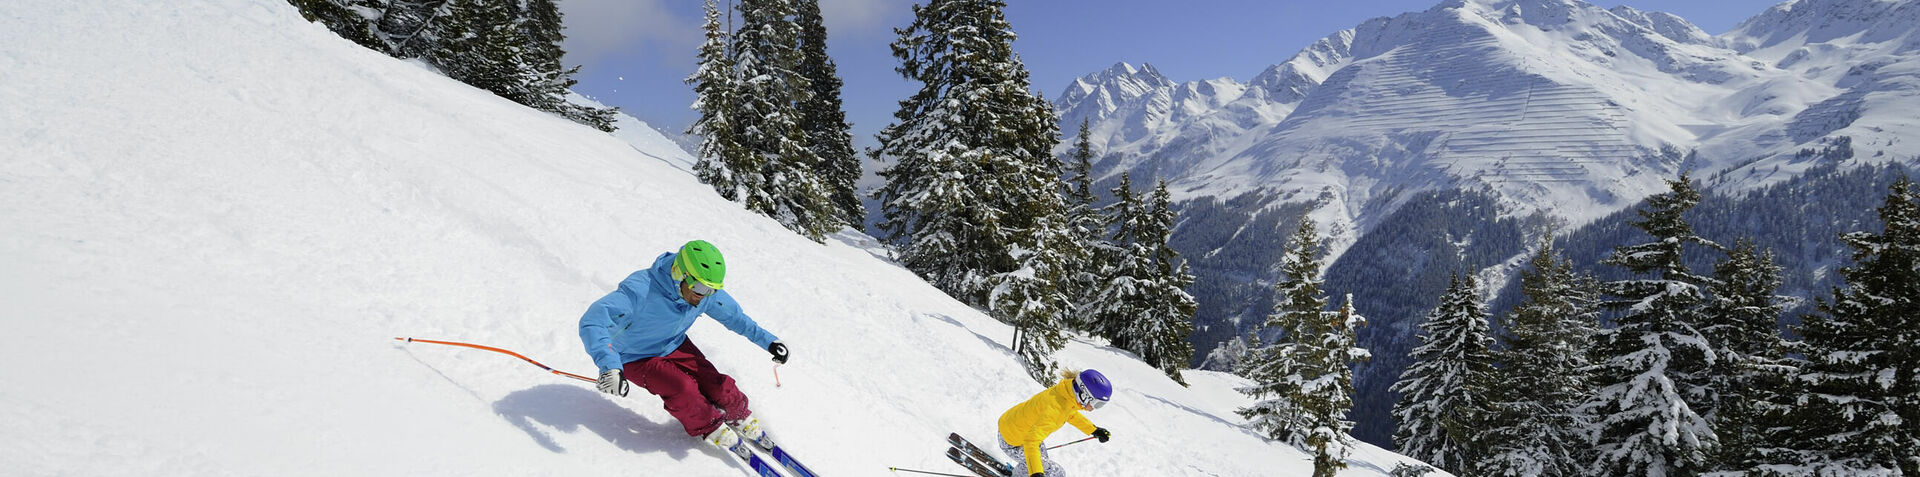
x=1558, y=108
x=1558, y=105
x=219, y=216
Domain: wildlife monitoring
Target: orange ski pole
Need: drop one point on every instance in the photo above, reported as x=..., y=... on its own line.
x=502, y=351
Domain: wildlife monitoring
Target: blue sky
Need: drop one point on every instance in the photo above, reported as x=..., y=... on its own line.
x=634, y=53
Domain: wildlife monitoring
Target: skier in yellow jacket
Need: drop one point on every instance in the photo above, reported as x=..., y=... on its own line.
x=1025, y=427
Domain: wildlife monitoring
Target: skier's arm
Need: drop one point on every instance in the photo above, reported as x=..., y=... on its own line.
x=728, y=313
x=1080, y=422
x=596, y=334
x=1032, y=452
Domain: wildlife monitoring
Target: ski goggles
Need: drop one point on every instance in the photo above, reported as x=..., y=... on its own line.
x=698, y=287
x=1086, y=398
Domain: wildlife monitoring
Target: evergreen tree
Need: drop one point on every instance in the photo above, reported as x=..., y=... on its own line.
x=344, y=18
x=479, y=44
x=767, y=123
x=511, y=48
x=408, y=26
x=1120, y=283
x=1653, y=396
x=1862, y=414
x=722, y=160
x=1534, y=428
x=972, y=172
x=551, y=79
x=1742, y=322
x=1030, y=297
x=1083, y=217
x=1444, y=394
x=1303, y=385
x=1159, y=332
x=824, y=120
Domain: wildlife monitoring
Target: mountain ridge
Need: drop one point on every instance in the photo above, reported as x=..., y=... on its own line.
x=1562, y=111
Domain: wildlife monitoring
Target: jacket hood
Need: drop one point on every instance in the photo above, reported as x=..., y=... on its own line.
x=657, y=279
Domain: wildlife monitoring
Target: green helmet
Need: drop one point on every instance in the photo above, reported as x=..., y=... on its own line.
x=701, y=261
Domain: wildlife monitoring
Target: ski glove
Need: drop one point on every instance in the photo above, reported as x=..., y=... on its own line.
x=779, y=351
x=613, y=382
x=1102, y=434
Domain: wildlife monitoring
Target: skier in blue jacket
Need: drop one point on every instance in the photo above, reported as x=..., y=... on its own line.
x=638, y=333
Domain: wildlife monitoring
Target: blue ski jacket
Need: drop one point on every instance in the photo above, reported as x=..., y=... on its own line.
x=646, y=318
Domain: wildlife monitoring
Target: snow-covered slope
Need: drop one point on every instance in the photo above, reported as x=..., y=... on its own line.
x=219, y=216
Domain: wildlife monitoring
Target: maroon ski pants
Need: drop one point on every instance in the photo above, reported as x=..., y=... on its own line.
x=690, y=388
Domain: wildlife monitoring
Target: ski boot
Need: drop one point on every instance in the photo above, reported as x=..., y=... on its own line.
x=750, y=430
x=725, y=438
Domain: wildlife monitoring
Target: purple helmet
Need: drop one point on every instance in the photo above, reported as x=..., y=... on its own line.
x=1092, y=389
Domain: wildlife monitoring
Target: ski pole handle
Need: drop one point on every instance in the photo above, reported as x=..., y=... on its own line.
x=897, y=469
x=1071, y=443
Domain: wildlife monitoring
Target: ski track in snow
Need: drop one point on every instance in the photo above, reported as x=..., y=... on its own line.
x=219, y=217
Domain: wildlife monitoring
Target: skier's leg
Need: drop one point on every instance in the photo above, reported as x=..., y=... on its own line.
x=1019, y=460
x=1017, y=457
x=718, y=388
x=1053, y=468
x=678, y=393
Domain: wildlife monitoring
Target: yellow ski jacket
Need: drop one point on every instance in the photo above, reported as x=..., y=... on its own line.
x=1029, y=423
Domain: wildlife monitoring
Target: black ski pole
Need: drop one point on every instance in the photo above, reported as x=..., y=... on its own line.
x=897, y=469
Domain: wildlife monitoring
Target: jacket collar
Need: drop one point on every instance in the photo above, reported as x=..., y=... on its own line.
x=1063, y=393
x=662, y=274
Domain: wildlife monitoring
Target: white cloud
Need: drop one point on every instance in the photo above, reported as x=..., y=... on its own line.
x=599, y=27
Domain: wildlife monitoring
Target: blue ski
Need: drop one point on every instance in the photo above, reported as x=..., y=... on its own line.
x=757, y=465
x=766, y=444
x=786, y=459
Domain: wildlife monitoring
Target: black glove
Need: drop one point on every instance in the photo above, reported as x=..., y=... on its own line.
x=613, y=382
x=1102, y=434
x=1038, y=474
x=779, y=351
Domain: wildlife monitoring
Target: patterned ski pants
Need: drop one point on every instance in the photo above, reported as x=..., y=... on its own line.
x=1020, y=461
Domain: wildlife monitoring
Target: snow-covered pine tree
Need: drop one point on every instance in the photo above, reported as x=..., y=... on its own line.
x=1742, y=321
x=1445, y=393
x=344, y=18
x=1329, y=396
x=1031, y=298
x=1034, y=295
x=823, y=118
x=971, y=171
x=1652, y=366
x=1862, y=414
x=410, y=27
x=933, y=210
x=1121, y=281
x=972, y=201
x=1083, y=217
x=511, y=48
x=767, y=122
x=1277, y=369
x=1303, y=384
x=1535, y=428
x=1159, y=333
x=479, y=43
x=722, y=159
x=540, y=22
